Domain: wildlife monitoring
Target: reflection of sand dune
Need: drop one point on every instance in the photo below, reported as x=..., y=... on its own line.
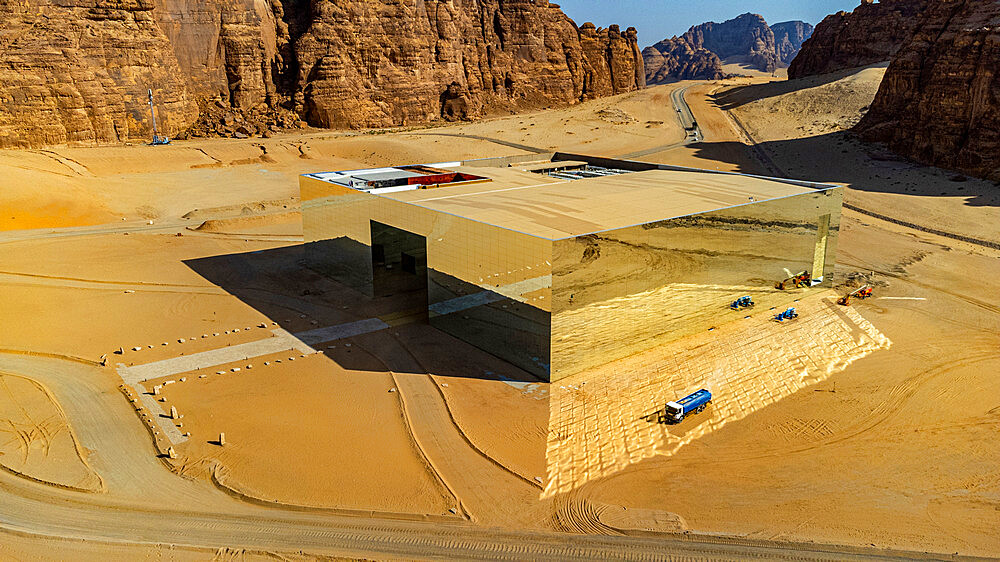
x=592, y=334
x=604, y=419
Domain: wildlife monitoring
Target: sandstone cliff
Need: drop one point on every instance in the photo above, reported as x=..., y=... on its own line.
x=747, y=39
x=873, y=32
x=939, y=101
x=788, y=38
x=78, y=70
x=379, y=64
x=677, y=59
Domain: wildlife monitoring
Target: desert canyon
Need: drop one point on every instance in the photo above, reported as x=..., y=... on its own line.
x=177, y=383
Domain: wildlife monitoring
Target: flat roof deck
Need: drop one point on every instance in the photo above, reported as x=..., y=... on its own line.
x=553, y=208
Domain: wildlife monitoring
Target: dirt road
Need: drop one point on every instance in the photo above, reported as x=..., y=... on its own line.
x=145, y=503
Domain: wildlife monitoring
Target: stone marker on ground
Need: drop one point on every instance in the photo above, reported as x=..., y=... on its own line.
x=222, y=438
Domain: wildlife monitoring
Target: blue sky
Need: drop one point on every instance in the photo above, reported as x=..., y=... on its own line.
x=659, y=19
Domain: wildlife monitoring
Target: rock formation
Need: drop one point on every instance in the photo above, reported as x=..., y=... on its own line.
x=939, y=102
x=788, y=39
x=78, y=70
x=454, y=103
x=747, y=39
x=677, y=59
x=873, y=32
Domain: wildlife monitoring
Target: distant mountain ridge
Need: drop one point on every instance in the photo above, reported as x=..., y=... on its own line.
x=698, y=53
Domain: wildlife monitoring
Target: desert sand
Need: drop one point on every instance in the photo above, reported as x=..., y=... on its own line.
x=37, y=441
x=887, y=440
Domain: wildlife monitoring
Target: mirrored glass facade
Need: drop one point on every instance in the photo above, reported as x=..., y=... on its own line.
x=623, y=291
x=555, y=307
x=483, y=284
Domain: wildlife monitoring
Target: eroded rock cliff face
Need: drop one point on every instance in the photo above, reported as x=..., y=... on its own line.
x=677, y=59
x=78, y=70
x=747, y=39
x=873, y=32
x=379, y=64
x=788, y=38
x=939, y=102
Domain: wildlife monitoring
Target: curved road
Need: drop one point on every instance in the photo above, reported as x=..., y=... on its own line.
x=692, y=132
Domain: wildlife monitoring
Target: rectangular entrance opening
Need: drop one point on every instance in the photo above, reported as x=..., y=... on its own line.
x=399, y=267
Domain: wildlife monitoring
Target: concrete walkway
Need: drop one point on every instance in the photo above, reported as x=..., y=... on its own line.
x=281, y=341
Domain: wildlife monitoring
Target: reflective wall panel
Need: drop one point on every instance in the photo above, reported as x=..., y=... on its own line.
x=486, y=285
x=619, y=292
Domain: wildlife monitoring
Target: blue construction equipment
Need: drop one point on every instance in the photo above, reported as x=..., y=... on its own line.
x=787, y=315
x=674, y=412
x=741, y=303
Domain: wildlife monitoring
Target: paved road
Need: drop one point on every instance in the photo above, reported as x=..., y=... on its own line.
x=688, y=123
x=280, y=340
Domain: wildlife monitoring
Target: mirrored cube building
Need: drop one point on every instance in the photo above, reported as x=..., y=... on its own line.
x=561, y=262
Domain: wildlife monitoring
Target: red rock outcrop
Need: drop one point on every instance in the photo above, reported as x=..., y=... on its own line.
x=939, y=102
x=382, y=64
x=873, y=32
x=788, y=38
x=78, y=70
x=226, y=47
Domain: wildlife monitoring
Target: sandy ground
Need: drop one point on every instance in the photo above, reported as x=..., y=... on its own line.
x=13, y=546
x=894, y=449
x=95, y=185
x=800, y=125
x=36, y=440
x=270, y=452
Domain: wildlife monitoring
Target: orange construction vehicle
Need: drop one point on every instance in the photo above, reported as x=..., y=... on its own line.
x=801, y=280
x=862, y=292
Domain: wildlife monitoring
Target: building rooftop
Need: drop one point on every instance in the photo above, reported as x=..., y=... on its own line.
x=567, y=198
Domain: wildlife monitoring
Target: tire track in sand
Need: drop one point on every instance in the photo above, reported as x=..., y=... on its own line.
x=489, y=493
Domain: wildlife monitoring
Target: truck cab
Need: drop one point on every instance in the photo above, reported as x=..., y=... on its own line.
x=674, y=412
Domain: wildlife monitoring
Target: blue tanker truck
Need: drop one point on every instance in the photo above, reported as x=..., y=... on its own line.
x=692, y=403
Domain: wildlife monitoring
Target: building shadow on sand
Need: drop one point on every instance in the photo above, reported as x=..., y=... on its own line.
x=278, y=283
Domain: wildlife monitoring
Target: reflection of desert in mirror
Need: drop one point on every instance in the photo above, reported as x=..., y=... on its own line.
x=429, y=280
